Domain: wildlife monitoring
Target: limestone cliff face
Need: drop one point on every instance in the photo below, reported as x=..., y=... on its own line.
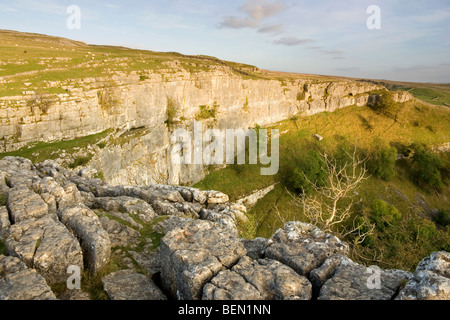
x=126, y=102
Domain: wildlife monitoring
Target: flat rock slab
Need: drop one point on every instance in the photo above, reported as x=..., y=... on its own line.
x=46, y=245
x=126, y=204
x=262, y=279
x=303, y=247
x=18, y=282
x=24, y=204
x=191, y=256
x=353, y=281
x=129, y=285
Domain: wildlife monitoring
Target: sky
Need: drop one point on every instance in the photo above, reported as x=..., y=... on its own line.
x=404, y=40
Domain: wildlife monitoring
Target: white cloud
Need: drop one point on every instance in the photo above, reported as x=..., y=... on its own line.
x=292, y=41
x=256, y=11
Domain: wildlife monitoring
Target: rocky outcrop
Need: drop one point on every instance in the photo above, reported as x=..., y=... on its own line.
x=171, y=242
x=192, y=256
x=431, y=280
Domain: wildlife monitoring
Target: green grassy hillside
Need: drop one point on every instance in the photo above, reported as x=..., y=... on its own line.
x=400, y=246
x=31, y=61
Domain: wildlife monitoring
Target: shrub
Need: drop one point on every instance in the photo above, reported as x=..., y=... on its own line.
x=426, y=168
x=442, y=218
x=2, y=247
x=301, y=96
x=80, y=161
x=386, y=105
x=171, y=111
x=312, y=168
x=42, y=101
x=107, y=99
x=101, y=145
x=3, y=199
x=384, y=214
x=381, y=162
x=207, y=112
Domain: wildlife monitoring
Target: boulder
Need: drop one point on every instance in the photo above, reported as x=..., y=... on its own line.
x=45, y=245
x=303, y=247
x=353, y=281
x=216, y=197
x=126, y=204
x=274, y=280
x=24, y=204
x=129, y=285
x=194, y=254
x=86, y=226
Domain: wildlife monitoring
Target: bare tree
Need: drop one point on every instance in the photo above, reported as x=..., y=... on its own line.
x=326, y=209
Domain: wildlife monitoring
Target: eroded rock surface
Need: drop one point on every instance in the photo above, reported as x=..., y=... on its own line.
x=174, y=242
x=192, y=256
x=431, y=280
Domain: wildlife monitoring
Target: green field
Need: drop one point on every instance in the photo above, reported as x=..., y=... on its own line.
x=432, y=93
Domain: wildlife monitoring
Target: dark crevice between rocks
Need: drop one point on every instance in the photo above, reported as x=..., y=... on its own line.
x=397, y=292
x=36, y=247
x=156, y=278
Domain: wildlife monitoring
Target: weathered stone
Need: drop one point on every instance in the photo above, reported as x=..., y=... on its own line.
x=431, y=280
x=118, y=233
x=274, y=280
x=127, y=219
x=222, y=218
x=216, y=197
x=186, y=193
x=65, y=192
x=165, y=208
x=18, y=282
x=95, y=241
x=166, y=193
x=149, y=259
x=24, y=204
x=188, y=209
x=303, y=247
x=75, y=295
x=229, y=285
x=88, y=199
x=352, y=281
x=256, y=248
x=4, y=222
x=191, y=256
x=200, y=196
x=320, y=275
x=128, y=285
x=46, y=245
x=127, y=204
x=169, y=223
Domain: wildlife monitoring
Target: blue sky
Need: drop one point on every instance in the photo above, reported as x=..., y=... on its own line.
x=306, y=36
